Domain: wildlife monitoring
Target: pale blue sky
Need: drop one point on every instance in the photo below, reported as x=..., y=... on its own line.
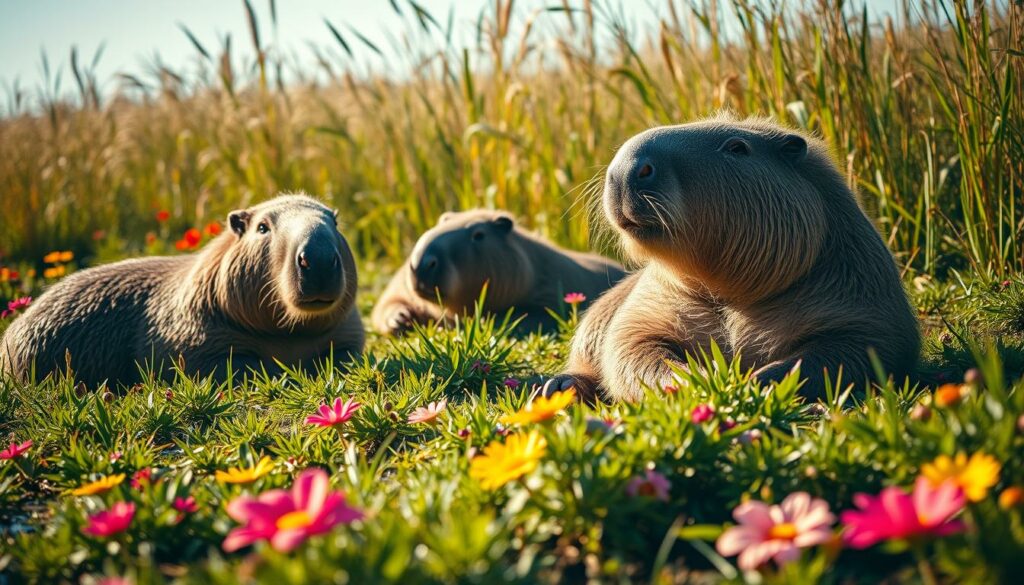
x=136, y=30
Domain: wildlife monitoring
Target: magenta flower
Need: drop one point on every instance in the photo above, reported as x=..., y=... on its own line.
x=651, y=484
x=575, y=298
x=112, y=521
x=776, y=532
x=15, y=306
x=336, y=415
x=429, y=413
x=185, y=505
x=15, y=450
x=511, y=383
x=285, y=518
x=702, y=413
x=894, y=513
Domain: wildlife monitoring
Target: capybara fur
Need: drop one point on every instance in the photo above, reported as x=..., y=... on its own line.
x=751, y=239
x=453, y=260
x=279, y=285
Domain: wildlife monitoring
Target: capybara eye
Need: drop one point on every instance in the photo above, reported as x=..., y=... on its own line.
x=263, y=228
x=736, y=146
x=478, y=235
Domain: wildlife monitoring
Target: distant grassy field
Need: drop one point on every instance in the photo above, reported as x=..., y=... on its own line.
x=926, y=115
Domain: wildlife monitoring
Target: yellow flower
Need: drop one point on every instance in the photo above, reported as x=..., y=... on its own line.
x=501, y=463
x=541, y=408
x=246, y=474
x=66, y=256
x=949, y=395
x=974, y=476
x=52, y=257
x=101, y=485
x=55, y=272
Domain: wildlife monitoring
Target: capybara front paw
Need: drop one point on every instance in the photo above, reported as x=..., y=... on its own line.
x=586, y=388
x=399, y=320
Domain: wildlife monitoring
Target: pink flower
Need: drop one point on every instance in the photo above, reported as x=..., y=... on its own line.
x=429, y=413
x=112, y=521
x=895, y=514
x=776, y=532
x=185, y=505
x=652, y=484
x=15, y=450
x=511, y=383
x=114, y=581
x=288, y=518
x=702, y=413
x=15, y=306
x=336, y=415
x=115, y=456
x=575, y=298
x=480, y=366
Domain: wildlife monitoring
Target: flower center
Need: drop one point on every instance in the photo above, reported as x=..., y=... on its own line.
x=785, y=531
x=292, y=520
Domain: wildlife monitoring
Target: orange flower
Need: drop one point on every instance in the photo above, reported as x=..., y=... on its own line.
x=6, y=274
x=948, y=395
x=52, y=257
x=1011, y=497
x=66, y=256
x=54, y=272
x=213, y=228
x=190, y=240
x=163, y=215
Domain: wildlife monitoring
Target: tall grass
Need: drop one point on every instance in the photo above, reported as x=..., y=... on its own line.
x=926, y=114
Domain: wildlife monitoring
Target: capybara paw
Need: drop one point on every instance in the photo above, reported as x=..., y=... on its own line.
x=586, y=388
x=399, y=320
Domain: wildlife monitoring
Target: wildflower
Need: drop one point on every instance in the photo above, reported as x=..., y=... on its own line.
x=541, y=408
x=597, y=425
x=429, y=413
x=246, y=474
x=213, y=228
x=1011, y=497
x=670, y=389
x=465, y=433
x=163, y=215
x=973, y=377
x=511, y=383
x=749, y=436
x=921, y=412
x=54, y=272
x=575, y=298
x=974, y=476
x=948, y=395
x=15, y=450
x=114, y=581
x=150, y=238
x=286, y=519
x=142, y=478
x=331, y=416
x=702, y=413
x=185, y=505
x=190, y=240
x=652, y=484
x=52, y=257
x=115, y=456
x=8, y=275
x=726, y=425
x=112, y=521
x=895, y=514
x=66, y=256
x=479, y=366
x=101, y=485
x=776, y=532
x=504, y=462
x=15, y=306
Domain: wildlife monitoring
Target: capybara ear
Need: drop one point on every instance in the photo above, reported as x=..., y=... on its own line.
x=794, y=146
x=239, y=220
x=504, y=223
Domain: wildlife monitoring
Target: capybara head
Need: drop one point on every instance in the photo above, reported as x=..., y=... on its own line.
x=737, y=206
x=284, y=265
x=454, y=259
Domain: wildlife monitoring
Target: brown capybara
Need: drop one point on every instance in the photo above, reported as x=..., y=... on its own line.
x=454, y=259
x=752, y=240
x=280, y=284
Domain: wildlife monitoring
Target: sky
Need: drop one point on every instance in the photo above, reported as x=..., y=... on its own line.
x=135, y=31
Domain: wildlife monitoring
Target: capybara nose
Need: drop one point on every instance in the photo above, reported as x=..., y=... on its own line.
x=427, y=272
x=319, y=272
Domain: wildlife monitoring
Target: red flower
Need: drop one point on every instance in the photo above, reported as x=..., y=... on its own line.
x=186, y=505
x=142, y=478
x=190, y=240
x=150, y=238
x=213, y=228
x=702, y=413
x=15, y=450
x=163, y=215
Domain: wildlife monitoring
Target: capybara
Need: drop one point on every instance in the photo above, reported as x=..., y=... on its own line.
x=454, y=259
x=280, y=285
x=751, y=239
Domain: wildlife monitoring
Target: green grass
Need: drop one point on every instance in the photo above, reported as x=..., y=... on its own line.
x=925, y=117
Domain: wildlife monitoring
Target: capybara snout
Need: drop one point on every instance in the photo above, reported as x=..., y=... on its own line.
x=318, y=265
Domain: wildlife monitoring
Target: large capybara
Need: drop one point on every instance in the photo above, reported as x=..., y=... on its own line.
x=454, y=259
x=753, y=240
x=279, y=285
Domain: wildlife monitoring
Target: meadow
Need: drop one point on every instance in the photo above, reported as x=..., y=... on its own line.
x=442, y=480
